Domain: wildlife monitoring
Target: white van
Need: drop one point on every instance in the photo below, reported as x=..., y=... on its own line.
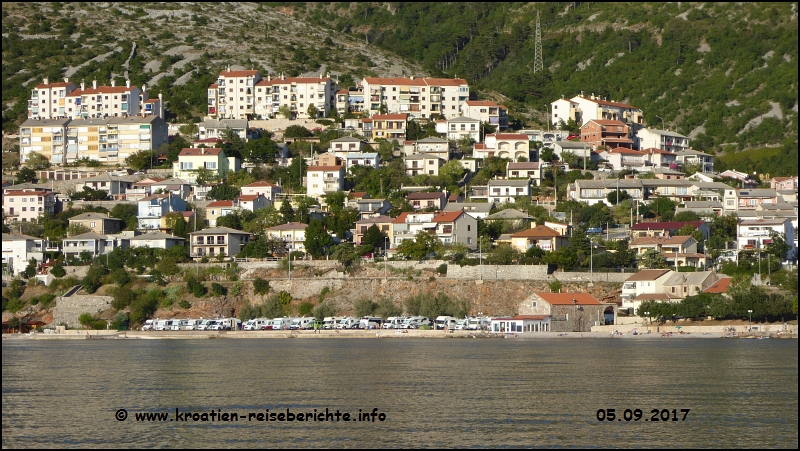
x=479, y=323
x=148, y=325
x=330, y=322
x=281, y=323
x=392, y=322
x=300, y=323
x=445, y=322
x=370, y=322
x=161, y=325
x=226, y=324
x=256, y=324
x=206, y=324
x=348, y=322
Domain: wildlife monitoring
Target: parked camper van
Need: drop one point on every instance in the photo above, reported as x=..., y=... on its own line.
x=348, y=322
x=148, y=325
x=281, y=323
x=300, y=323
x=329, y=322
x=445, y=322
x=370, y=322
x=255, y=324
x=226, y=324
x=392, y=322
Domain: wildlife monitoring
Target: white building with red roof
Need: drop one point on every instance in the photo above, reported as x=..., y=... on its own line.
x=269, y=190
x=541, y=236
x=106, y=101
x=504, y=145
x=602, y=134
x=48, y=99
x=584, y=109
x=568, y=312
x=321, y=180
x=233, y=94
x=450, y=227
x=418, y=97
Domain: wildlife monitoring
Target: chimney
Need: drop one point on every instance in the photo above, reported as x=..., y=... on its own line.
x=283, y=76
x=144, y=88
x=46, y=81
x=66, y=79
x=113, y=82
x=94, y=84
x=83, y=86
x=229, y=67
x=127, y=83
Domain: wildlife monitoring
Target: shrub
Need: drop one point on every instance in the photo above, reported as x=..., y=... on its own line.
x=90, y=322
x=260, y=286
x=236, y=288
x=555, y=286
x=364, y=307
x=442, y=269
x=305, y=308
x=323, y=310
x=58, y=270
x=218, y=290
x=185, y=304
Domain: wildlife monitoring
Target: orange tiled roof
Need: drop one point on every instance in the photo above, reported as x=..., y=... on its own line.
x=567, y=298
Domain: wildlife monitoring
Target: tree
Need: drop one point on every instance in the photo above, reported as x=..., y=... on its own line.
x=223, y=191
x=285, y=111
x=127, y=213
x=177, y=224
x=140, y=161
x=614, y=199
x=450, y=173
x=373, y=238
x=652, y=259
x=663, y=208
x=317, y=238
x=189, y=130
x=287, y=211
x=30, y=270
x=312, y=111
x=205, y=177
x=778, y=246
x=420, y=247
x=261, y=150
x=547, y=154
x=37, y=161
x=26, y=175
x=76, y=229
x=58, y=270
x=297, y=131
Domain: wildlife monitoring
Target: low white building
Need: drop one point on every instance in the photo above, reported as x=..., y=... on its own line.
x=292, y=235
x=217, y=240
x=501, y=191
x=156, y=240
x=19, y=249
x=520, y=324
x=757, y=234
x=661, y=139
x=321, y=180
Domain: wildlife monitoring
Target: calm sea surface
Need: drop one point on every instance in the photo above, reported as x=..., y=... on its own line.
x=433, y=392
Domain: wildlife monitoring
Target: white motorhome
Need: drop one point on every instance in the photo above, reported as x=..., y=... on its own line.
x=256, y=324
x=281, y=323
x=149, y=324
x=206, y=324
x=445, y=322
x=370, y=322
x=226, y=324
x=161, y=325
x=348, y=322
x=393, y=322
x=479, y=323
x=329, y=322
x=300, y=323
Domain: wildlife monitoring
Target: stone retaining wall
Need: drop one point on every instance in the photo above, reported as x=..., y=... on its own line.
x=495, y=272
x=67, y=310
x=595, y=277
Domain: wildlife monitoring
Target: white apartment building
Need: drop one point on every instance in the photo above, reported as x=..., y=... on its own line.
x=19, y=249
x=756, y=234
x=298, y=93
x=321, y=180
x=459, y=128
x=504, y=145
x=27, y=205
x=584, y=109
x=105, y=101
x=190, y=160
x=269, y=190
x=661, y=139
x=502, y=191
x=689, y=156
x=423, y=98
x=292, y=235
x=48, y=100
x=43, y=136
x=434, y=146
x=486, y=111
x=233, y=95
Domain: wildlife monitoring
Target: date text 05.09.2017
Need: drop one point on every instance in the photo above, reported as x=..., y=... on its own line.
x=638, y=414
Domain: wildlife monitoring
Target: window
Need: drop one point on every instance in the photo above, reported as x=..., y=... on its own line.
x=92, y=224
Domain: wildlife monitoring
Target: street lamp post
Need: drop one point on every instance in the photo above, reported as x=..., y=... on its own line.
x=749, y=312
x=662, y=122
x=385, y=257
x=647, y=315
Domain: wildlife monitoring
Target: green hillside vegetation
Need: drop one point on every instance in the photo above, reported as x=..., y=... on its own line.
x=723, y=73
x=775, y=162
x=710, y=65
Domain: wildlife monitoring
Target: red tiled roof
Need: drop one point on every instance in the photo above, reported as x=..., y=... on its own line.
x=445, y=81
x=538, y=231
x=511, y=136
x=720, y=286
x=54, y=85
x=624, y=150
x=290, y=80
x=221, y=203
x=481, y=103
x=394, y=81
x=248, y=197
x=526, y=165
x=448, y=216
x=660, y=240
x=652, y=297
x=323, y=168
x=358, y=194
x=607, y=122
x=290, y=226
x=192, y=151
x=567, y=298
x=390, y=117
x=342, y=91
x=401, y=219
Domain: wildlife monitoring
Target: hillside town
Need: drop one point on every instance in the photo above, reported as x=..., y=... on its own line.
x=301, y=169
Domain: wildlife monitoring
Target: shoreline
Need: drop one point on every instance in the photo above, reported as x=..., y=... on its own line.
x=363, y=334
